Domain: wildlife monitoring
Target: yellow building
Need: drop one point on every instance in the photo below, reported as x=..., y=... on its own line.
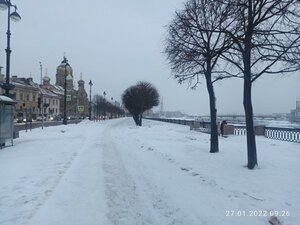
x=27, y=95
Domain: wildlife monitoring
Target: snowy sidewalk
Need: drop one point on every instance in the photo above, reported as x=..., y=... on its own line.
x=53, y=176
x=115, y=173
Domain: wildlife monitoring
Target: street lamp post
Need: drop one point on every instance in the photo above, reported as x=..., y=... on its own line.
x=112, y=108
x=104, y=94
x=14, y=16
x=65, y=64
x=90, y=106
x=42, y=96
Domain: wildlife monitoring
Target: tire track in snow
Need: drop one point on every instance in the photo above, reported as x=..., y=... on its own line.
x=51, y=181
x=124, y=204
x=133, y=198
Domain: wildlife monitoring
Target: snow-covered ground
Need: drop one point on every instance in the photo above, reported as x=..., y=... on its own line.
x=114, y=173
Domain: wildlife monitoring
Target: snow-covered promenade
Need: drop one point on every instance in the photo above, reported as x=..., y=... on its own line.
x=114, y=173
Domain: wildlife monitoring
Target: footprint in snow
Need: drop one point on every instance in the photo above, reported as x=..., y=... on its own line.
x=191, y=138
x=48, y=192
x=195, y=174
x=184, y=169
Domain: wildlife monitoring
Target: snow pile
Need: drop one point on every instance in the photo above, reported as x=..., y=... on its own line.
x=113, y=172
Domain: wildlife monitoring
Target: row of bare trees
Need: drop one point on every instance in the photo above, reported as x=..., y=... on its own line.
x=233, y=38
x=103, y=108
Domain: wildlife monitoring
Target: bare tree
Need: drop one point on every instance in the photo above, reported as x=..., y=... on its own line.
x=100, y=104
x=97, y=105
x=139, y=98
x=266, y=38
x=193, y=47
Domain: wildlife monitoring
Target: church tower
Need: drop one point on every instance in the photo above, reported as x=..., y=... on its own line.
x=46, y=79
x=82, y=98
x=64, y=69
x=81, y=84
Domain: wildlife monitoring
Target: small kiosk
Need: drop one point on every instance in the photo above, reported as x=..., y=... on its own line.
x=7, y=107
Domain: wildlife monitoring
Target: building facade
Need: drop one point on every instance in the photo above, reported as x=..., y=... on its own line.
x=33, y=100
x=295, y=113
x=49, y=104
x=26, y=94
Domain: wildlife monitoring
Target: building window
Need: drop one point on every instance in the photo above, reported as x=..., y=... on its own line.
x=33, y=97
x=21, y=96
x=27, y=97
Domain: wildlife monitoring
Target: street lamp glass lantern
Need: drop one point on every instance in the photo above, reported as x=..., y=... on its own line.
x=3, y=4
x=15, y=17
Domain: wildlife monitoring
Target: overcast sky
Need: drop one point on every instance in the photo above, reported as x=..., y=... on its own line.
x=116, y=43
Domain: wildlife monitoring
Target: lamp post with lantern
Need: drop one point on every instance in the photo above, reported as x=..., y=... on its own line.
x=112, y=107
x=14, y=16
x=90, y=106
x=65, y=64
x=104, y=94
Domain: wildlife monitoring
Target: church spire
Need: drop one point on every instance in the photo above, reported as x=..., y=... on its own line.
x=81, y=82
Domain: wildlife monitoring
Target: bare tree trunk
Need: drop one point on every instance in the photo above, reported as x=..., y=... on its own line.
x=140, y=119
x=251, y=144
x=136, y=119
x=214, y=139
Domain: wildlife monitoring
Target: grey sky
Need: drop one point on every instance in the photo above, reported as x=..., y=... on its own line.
x=117, y=43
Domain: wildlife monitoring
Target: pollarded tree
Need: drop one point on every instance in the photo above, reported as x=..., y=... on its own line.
x=139, y=98
x=266, y=40
x=193, y=47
